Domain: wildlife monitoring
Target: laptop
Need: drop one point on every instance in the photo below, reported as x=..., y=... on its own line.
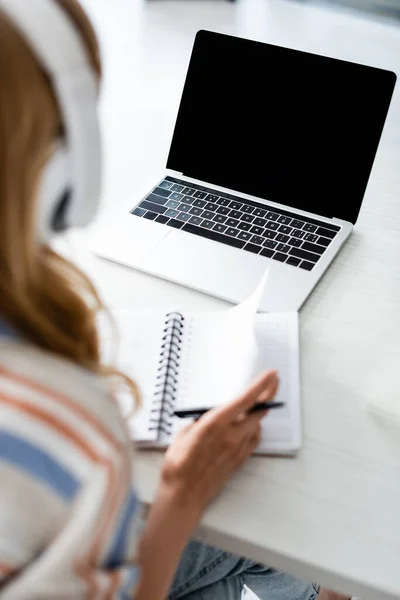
x=268, y=166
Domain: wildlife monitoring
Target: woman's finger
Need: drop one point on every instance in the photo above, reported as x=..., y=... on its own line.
x=269, y=393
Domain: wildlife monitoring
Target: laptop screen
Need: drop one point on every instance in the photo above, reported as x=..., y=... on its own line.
x=287, y=126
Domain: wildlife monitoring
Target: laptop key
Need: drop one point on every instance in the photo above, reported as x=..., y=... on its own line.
x=283, y=248
x=162, y=219
x=280, y=256
x=188, y=190
x=177, y=187
x=223, y=210
x=306, y=265
x=295, y=242
x=246, y=208
x=309, y=227
x=256, y=239
x=260, y=222
x=172, y=203
x=195, y=211
x=252, y=248
x=284, y=220
x=200, y=195
x=213, y=235
x=297, y=233
x=297, y=223
x=188, y=199
x=292, y=260
x=153, y=207
x=285, y=229
x=172, y=213
x=220, y=228
x=211, y=206
x=208, y=224
x=150, y=215
x=244, y=235
x=244, y=226
x=157, y=199
x=282, y=238
x=184, y=207
x=272, y=225
x=166, y=185
x=195, y=220
x=313, y=248
x=212, y=198
x=272, y=216
x=267, y=253
x=175, y=223
x=232, y=231
x=232, y=222
x=138, y=212
x=207, y=214
x=300, y=253
x=325, y=232
x=235, y=214
x=323, y=241
x=235, y=205
x=219, y=218
x=176, y=196
x=183, y=216
x=199, y=203
x=269, y=234
x=270, y=244
x=247, y=218
x=257, y=230
x=162, y=192
x=310, y=237
x=223, y=201
x=259, y=212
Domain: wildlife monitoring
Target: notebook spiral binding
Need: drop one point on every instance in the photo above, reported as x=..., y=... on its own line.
x=167, y=374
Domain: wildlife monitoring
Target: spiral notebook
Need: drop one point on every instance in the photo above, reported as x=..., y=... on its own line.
x=185, y=360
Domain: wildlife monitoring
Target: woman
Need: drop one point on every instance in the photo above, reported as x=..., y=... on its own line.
x=70, y=523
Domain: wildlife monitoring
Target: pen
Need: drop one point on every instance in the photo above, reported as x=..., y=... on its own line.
x=198, y=412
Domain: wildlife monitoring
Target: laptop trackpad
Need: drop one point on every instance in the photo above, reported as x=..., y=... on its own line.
x=207, y=266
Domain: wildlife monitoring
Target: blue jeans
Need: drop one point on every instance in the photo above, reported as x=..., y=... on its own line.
x=207, y=573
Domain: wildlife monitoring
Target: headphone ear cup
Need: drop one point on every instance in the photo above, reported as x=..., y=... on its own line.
x=60, y=216
x=54, y=195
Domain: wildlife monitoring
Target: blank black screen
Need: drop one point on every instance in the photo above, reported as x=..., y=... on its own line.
x=283, y=125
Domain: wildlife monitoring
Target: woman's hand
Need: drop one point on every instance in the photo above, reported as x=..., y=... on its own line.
x=206, y=454
x=196, y=467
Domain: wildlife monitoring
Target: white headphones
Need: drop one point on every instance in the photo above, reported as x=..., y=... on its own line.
x=70, y=188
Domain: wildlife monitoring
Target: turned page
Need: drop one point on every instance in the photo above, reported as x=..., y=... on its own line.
x=220, y=351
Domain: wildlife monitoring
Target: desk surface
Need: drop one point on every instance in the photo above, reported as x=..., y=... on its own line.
x=333, y=513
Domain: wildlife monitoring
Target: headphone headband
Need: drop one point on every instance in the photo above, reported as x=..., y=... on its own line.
x=61, y=51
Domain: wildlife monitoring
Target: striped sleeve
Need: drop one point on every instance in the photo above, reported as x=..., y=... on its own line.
x=69, y=515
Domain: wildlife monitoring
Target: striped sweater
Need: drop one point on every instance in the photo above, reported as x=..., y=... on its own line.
x=69, y=516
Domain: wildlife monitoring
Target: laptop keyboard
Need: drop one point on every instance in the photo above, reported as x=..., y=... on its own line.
x=252, y=226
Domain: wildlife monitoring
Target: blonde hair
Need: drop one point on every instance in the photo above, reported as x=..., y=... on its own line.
x=45, y=297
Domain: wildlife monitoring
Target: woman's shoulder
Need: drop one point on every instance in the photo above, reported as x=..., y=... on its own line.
x=41, y=381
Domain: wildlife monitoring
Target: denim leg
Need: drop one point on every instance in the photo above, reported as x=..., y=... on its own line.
x=207, y=573
x=201, y=566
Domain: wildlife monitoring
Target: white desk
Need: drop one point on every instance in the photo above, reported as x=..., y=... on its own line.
x=332, y=514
